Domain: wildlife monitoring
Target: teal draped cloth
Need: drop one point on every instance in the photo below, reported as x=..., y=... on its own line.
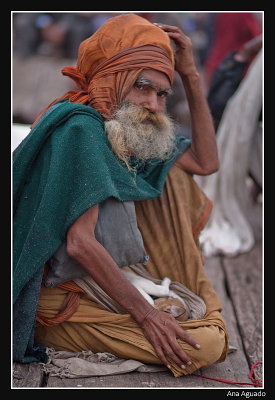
x=61, y=169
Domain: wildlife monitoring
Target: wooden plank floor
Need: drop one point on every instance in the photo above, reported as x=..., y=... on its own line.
x=238, y=281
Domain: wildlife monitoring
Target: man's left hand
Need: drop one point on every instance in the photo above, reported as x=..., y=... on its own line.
x=184, y=60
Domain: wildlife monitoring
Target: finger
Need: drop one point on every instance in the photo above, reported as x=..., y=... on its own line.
x=171, y=350
x=174, y=352
x=157, y=344
x=177, y=354
x=177, y=35
x=170, y=345
x=180, y=354
x=183, y=335
x=171, y=323
x=161, y=356
x=169, y=28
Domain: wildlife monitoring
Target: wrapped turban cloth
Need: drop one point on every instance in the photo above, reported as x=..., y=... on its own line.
x=112, y=58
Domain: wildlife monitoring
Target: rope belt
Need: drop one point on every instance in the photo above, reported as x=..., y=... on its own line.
x=68, y=308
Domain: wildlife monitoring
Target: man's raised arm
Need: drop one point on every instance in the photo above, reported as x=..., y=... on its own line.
x=202, y=157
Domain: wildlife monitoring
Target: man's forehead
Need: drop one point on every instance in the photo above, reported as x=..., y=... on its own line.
x=157, y=79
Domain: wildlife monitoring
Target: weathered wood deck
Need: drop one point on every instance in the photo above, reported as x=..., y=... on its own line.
x=238, y=281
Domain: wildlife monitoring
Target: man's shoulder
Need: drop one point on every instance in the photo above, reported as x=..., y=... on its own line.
x=78, y=125
x=61, y=122
x=76, y=111
x=64, y=112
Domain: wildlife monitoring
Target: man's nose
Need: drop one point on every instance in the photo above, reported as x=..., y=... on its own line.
x=151, y=103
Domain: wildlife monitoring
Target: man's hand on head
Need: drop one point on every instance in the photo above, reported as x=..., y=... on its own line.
x=184, y=60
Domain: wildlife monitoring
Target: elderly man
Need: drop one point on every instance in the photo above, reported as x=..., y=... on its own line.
x=111, y=139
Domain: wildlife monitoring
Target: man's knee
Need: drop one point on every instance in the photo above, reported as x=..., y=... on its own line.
x=212, y=341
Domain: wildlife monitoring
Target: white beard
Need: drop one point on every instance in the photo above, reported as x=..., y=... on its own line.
x=128, y=134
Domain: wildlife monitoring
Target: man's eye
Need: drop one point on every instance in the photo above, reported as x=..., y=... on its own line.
x=139, y=86
x=163, y=94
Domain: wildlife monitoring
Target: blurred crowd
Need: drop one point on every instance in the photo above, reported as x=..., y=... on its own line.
x=53, y=34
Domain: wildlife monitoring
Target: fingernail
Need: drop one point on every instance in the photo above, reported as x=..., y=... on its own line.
x=183, y=366
x=198, y=346
x=169, y=366
x=189, y=362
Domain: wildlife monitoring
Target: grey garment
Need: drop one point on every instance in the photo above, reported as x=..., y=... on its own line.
x=116, y=230
x=67, y=364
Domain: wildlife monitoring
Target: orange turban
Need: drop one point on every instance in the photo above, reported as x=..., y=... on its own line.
x=111, y=59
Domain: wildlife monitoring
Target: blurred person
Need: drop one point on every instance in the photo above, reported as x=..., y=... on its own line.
x=225, y=81
x=52, y=34
x=81, y=25
x=39, y=33
x=196, y=25
x=239, y=141
x=230, y=32
x=26, y=34
x=108, y=147
x=228, y=75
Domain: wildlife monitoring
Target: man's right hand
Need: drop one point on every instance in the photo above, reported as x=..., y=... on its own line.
x=162, y=331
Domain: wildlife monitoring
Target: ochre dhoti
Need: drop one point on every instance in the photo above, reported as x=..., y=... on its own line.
x=170, y=225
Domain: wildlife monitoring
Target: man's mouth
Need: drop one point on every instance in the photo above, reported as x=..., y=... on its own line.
x=147, y=121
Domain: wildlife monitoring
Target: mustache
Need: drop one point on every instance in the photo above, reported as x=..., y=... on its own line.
x=140, y=114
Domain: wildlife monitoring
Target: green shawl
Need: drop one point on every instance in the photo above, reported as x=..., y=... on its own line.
x=61, y=169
